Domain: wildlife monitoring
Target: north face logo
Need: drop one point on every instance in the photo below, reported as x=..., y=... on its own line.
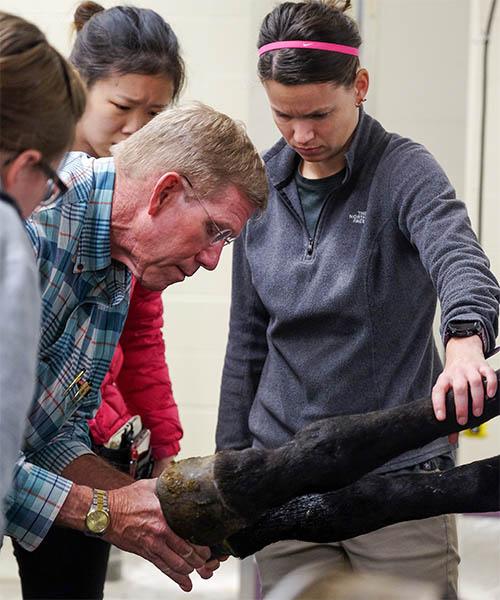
x=359, y=217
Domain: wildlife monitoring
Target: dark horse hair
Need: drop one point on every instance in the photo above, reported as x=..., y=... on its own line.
x=123, y=40
x=318, y=21
x=317, y=486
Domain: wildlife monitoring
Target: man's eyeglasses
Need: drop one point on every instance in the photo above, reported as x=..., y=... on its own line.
x=55, y=185
x=225, y=235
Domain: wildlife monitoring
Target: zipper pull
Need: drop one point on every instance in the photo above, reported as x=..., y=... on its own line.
x=310, y=246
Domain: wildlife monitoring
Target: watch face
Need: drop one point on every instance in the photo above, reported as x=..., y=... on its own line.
x=97, y=521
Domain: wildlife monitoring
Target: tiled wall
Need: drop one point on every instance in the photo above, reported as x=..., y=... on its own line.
x=424, y=59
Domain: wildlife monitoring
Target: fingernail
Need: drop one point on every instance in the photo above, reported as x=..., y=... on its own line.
x=462, y=421
x=440, y=415
x=477, y=412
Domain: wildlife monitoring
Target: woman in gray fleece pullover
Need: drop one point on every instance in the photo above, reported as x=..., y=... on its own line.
x=335, y=286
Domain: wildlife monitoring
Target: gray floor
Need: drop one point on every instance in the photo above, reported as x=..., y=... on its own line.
x=139, y=580
x=479, y=539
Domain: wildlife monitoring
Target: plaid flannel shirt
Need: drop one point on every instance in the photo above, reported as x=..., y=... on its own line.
x=85, y=296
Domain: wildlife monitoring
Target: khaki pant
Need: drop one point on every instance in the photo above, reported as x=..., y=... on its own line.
x=425, y=550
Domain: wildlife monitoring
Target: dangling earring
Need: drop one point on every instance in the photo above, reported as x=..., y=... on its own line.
x=360, y=102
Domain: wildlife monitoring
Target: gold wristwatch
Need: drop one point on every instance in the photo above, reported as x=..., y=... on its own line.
x=98, y=518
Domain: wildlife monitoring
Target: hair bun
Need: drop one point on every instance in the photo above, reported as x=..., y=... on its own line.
x=340, y=5
x=84, y=12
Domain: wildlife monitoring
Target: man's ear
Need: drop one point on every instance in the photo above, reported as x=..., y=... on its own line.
x=166, y=188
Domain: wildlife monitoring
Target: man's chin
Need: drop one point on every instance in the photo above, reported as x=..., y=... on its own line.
x=158, y=281
x=155, y=286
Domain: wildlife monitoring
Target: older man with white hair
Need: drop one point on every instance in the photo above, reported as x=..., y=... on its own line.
x=164, y=205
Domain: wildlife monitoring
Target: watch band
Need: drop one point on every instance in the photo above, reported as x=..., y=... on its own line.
x=98, y=518
x=460, y=329
x=100, y=500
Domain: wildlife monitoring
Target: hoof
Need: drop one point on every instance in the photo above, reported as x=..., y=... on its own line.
x=192, y=504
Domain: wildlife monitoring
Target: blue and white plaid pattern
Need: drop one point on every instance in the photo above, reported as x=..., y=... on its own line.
x=85, y=296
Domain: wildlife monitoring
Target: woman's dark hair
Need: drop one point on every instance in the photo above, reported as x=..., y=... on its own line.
x=318, y=21
x=123, y=40
x=41, y=95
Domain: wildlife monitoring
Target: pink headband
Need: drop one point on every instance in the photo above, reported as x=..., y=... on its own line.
x=310, y=45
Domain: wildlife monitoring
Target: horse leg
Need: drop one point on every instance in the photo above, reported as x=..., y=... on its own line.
x=375, y=501
x=207, y=499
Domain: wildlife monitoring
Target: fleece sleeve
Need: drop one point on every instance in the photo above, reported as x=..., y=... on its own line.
x=437, y=225
x=245, y=355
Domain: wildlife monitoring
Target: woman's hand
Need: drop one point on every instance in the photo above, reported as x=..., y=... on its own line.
x=464, y=370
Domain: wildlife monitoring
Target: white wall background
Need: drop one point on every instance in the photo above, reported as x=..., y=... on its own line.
x=424, y=57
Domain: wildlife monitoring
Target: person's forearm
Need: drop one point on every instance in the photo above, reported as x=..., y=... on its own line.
x=87, y=472
x=75, y=507
x=92, y=471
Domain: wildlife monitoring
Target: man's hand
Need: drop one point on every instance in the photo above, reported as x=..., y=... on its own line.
x=138, y=526
x=212, y=565
x=464, y=369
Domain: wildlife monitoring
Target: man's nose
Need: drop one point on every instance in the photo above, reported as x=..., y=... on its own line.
x=302, y=132
x=209, y=257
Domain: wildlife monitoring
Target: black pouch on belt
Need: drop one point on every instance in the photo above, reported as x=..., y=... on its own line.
x=130, y=452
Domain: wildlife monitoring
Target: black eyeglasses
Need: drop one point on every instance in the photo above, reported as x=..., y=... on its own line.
x=55, y=185
x=225, y=235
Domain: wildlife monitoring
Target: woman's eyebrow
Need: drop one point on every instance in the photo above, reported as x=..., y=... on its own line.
x=130, y=100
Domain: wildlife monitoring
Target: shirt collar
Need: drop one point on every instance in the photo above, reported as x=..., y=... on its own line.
x=94, y=246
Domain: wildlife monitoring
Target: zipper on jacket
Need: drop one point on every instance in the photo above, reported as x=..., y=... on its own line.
x=310, y=240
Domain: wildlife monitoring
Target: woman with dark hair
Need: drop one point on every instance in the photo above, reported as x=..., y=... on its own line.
x=129, y=59
x=41, y=99
x=334, y=287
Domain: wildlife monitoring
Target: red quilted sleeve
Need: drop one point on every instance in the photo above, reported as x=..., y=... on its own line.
x=144, y=380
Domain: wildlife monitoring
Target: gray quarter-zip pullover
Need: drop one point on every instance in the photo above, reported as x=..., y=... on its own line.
x=341, y=322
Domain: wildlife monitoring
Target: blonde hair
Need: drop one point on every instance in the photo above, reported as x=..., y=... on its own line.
x=41, y=94
x=209, y=147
